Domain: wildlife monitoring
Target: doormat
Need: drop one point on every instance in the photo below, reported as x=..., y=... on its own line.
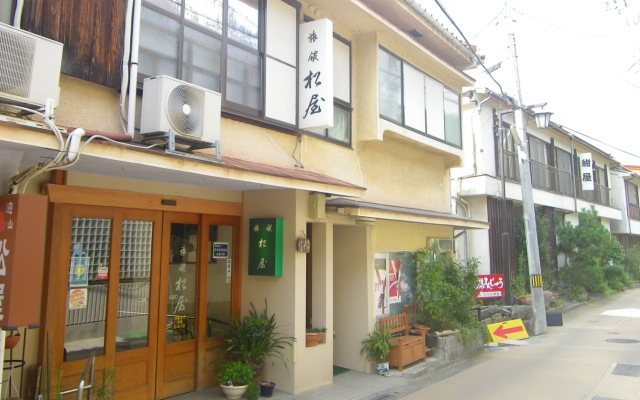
x=339, y=370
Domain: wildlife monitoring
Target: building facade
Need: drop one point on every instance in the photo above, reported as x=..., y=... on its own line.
x=568, y=176
x=148, y=247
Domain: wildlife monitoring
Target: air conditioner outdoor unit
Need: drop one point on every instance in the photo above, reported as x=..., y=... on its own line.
x=29, y=68
x=189, y=111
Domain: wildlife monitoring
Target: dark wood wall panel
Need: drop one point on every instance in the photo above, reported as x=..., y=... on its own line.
x=92, y=33
x=496, y=217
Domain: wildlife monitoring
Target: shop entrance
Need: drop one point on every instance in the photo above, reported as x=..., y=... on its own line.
x=145, y=291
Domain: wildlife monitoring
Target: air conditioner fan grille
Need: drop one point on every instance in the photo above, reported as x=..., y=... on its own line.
x=185, y=110
x=16, y=63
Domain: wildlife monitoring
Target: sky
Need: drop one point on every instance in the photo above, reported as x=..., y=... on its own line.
x=576, y=55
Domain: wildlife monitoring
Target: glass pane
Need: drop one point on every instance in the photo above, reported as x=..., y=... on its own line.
x=243, y=22
x=172, y=6
x=219, y=278
x=390, y=86
x=133, y=292
x=243, y=77
x=87, y=294
x=201, y=59
x=207, y=13
x=159, y=44
x=181, y=304
x=452, y=117
x=341, y=129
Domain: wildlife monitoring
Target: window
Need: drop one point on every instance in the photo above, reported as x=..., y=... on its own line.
x=632, y=198
x=220, y=45
x=565, y=178
x=409, y=97
x=341, y=130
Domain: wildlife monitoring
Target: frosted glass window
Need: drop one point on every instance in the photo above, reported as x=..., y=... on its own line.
x=282, y=31
x=243, y=77
x=341, y=71
x=159, y=44
x=281, y=89
x=243, y=22
x=390, y=86
x=414, y=100
x=206, y=13
x=202, y=59
x=452, y=117
x=434, y=93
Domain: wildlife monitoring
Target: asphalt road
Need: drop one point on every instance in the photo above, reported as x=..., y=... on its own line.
x=594, y=355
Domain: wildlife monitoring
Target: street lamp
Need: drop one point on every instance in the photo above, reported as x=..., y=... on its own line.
x=542, y=119
x=531, y=229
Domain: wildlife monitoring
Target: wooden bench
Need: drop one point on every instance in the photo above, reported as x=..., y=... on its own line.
x=406, y=347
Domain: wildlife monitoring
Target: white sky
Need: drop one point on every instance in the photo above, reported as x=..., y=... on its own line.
x=572, y=54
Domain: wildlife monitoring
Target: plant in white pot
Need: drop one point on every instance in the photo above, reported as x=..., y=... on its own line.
x=236, y=379
x=376, y=348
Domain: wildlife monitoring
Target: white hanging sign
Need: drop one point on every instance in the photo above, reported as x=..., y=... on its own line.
x=315, y=81
x=586, y=171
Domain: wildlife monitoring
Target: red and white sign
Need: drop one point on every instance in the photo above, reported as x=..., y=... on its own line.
x=490, y=287
x=77, y=299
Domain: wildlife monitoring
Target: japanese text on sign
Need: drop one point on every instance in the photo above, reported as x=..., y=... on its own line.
x=316, y=74
x=490, y=286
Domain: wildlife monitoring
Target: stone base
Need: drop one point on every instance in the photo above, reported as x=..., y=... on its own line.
x=450, y=346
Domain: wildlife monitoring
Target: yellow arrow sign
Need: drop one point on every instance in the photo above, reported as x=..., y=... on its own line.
x=513, y=329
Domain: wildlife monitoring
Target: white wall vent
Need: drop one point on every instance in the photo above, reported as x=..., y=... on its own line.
x=29, y=68
x=171, y=104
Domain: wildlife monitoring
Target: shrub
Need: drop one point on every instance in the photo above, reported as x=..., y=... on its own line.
x=445, y=290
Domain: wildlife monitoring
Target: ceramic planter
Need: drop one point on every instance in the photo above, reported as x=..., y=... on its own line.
x=382, y=368
x=233, y=392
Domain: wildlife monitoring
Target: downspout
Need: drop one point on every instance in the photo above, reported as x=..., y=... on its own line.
x=17, y=16
x=126, y=53
x=573, y=176
x=133, y=75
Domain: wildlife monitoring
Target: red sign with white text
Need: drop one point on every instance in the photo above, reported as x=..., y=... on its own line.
x=490, y=287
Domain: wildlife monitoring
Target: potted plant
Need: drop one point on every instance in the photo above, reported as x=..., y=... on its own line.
x=266, y=388
x=376, y=348
x=254, y=338
x=236, y=379
x=315, y=336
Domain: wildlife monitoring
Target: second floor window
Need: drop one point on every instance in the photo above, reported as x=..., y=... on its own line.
x=220, y=45
x=411, y=98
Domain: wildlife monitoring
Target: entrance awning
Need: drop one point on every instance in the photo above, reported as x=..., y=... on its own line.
x=381, y=211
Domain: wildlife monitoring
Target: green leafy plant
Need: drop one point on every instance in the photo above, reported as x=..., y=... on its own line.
x=236, y=373
x=445, y=290
x=376, y=346
x=631, y=262
x=105, y=391
x=254, y=338
x=594, y=257
x=317, y=330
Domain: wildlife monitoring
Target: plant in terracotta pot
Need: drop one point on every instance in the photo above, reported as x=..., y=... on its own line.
x=376, y=348
x=254, y=338
x=236, y=379
x=315, y=336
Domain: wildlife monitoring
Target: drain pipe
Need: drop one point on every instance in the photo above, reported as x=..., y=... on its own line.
x=133, y=72
x=126, y=54
x=17, y=16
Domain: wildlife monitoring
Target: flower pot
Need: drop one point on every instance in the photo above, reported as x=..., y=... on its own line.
x=233, y=392
x=525, y=299
x=314, y=338
x=258, y=372
x=11, y=341
x=266, y=388
x=383, y=368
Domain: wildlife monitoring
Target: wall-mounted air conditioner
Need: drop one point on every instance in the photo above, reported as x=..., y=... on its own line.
x=29, y=68
x=188, y=110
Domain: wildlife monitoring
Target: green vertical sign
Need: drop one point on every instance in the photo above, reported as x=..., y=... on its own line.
x=265, y=246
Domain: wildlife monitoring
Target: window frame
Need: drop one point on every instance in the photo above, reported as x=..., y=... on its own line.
x=402, y=121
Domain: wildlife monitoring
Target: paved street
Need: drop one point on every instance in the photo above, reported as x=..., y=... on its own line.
x=594, y=356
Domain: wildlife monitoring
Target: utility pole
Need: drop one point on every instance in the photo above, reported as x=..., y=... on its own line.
x=531, y=229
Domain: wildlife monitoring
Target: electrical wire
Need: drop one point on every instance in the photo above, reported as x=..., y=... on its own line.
x=471, y=49
x=600, y=141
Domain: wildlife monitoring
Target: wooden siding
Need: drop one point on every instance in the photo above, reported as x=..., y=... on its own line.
x=92, y=33
x=496, y=216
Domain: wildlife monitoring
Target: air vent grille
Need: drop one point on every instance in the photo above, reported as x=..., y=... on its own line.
x=16, y=63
